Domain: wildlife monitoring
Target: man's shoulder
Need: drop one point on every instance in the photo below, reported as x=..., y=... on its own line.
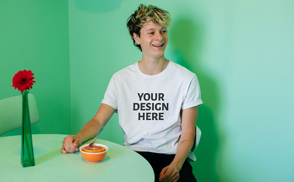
x=182, y=71
x=125, y=71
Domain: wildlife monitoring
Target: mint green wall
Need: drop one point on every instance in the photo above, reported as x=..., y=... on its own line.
x=242, y=52
x=34, y=35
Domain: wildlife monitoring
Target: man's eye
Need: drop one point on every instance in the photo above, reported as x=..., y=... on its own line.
x=164, y=31
x=151, y=33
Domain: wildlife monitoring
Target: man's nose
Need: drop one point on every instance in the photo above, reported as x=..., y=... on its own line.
x=159, y=36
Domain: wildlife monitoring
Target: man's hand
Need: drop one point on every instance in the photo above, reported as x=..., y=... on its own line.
x=169, y=174
x=70, y=144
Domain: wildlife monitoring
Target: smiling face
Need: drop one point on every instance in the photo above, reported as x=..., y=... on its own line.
x=153, y=39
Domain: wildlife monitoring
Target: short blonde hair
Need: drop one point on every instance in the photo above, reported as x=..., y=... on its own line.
x=144, y=14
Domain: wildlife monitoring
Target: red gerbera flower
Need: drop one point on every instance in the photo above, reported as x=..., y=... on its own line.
x=23, y=80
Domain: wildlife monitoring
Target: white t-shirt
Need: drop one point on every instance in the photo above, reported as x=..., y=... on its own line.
x=149, y=106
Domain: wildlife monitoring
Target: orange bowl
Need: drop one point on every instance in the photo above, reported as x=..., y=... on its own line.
x=95, y=155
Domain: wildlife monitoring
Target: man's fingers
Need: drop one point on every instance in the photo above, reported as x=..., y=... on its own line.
x=66, y=147
x=76, y=144
x=165, y=172
x=63, y=150
x=162, y=173
x=175, y=177
x=176, y=180
x=170, y=174
x=68, y=144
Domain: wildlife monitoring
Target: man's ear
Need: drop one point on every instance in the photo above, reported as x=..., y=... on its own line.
x=136, y=38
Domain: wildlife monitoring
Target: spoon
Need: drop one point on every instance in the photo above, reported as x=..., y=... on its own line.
x=101, y=128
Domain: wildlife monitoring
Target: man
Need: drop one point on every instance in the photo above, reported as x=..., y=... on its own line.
x=156, y=100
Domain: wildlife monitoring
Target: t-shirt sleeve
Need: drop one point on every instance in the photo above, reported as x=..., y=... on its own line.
x=110, y=96
x=193, y=96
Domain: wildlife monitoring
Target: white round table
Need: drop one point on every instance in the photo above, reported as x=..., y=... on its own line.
x=120, y=164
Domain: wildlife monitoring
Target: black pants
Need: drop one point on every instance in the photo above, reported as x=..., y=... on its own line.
x=159, y=161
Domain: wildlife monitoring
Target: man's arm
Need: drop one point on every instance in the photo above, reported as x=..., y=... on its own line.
x=188, y=118
x=90, y=129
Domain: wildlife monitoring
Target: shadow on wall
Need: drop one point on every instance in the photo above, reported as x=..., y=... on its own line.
x=100, y=6
x=186, y=40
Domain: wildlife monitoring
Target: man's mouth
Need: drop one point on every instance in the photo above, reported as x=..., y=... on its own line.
x=158, y=45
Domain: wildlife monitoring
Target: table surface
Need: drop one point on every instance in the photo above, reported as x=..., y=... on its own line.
x=120, y=164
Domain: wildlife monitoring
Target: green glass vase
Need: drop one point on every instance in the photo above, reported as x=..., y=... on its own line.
x=27, y=151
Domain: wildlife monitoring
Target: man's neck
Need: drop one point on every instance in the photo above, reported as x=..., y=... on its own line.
x=152, y=66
